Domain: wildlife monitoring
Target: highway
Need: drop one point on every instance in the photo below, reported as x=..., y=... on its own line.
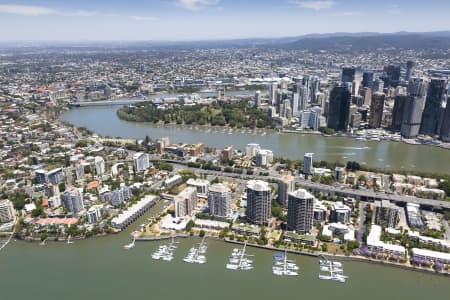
x=360, y=194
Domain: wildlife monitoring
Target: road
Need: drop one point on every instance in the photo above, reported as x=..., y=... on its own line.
x=361, y=194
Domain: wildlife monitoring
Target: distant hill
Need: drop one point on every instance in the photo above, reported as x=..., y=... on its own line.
x=368, y=41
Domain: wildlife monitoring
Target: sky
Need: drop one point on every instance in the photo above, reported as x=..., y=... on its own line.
x=145, y=20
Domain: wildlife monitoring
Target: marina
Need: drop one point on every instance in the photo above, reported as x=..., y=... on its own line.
x=284, y=267
x=108, y=256
x=196, y=254
x=239, y=261
x=333, y=269
x=165, y=252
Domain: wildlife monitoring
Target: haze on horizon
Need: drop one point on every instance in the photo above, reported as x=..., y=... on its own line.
x=143, y=20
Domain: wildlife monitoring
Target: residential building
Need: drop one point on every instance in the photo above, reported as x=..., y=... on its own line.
x=54, y=201
x=413, y=216
x=285, y=186
x=251, y=150
x=99, y=163
x=127, y=217
x=141, y=161
x=374, y=243
x=319, y=212
x=201, y=185
x=228, y=153
x=7, y=211
x=341, y=213
x=258, y=202
x=185, y=202
x=300, y=211
x=308, y=167
x=386, y=214
x=73, y=200
x=55, y=176
x=94, y=214
x=219, y=200
x=264, y=157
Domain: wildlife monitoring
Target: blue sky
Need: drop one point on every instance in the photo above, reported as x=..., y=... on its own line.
x=99, y=20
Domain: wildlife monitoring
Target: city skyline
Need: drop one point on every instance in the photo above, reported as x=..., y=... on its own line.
x=49, y=20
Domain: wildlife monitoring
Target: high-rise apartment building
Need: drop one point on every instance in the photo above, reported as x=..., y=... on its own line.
x=300, y=211
x=258, y=202
x=285, y=186
x=219, y=200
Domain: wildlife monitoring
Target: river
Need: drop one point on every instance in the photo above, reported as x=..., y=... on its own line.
x=101, y=269
x=385, y=155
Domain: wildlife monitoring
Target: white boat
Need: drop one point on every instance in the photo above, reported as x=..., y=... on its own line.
x=337, y=264
x=232, y=266
x=325, y=277
x=130, y=245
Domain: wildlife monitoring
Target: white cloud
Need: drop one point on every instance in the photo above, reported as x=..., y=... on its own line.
x=314, y=4
x=35, y=11
x=143, y=18
x=345, y=14
x=26, y=10
x=196, y=5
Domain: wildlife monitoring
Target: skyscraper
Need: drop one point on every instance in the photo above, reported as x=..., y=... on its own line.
x=348, y=74
x=285, y=186
x=258, y=202
x=352, y=75
x=300, y=211
x=391, y=75
x=73, y=200
x=273, y=93
x=338, y=114
x=412, y=116
x=367, y=79
x=418, y=86
x=433, y=107
x=308, y=163
x=409, y=70
x=376, y=110
x=257, y=99
x=445, y=127
x=398, y=112
x=314, y=88
x=219, y=200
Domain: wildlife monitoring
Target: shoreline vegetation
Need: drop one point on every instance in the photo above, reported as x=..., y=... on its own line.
x=238, y=115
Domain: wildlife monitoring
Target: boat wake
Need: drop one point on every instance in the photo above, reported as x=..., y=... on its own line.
x=351, y=148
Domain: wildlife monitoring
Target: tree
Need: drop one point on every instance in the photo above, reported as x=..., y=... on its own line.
x=189, y=225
